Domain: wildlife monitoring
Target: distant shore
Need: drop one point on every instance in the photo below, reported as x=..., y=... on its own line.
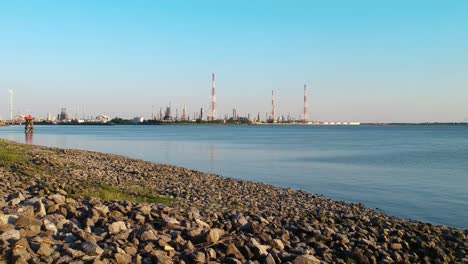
x=67, y=205
x=242, y=124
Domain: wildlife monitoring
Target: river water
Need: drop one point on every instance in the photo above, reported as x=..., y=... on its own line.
x=414, y=172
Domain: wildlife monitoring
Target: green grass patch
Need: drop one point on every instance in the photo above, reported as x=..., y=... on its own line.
x=136, y=195
x=12, y=153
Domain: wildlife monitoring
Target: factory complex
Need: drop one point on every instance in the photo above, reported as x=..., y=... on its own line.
x=167, y=115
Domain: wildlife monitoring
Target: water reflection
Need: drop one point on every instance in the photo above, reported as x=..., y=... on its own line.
x=29, y=138
x=212, y=156
x=167, y=150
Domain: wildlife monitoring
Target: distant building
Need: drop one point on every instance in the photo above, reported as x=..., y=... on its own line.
x=102, y=119
x=167, y=114
x=49, y=117
x=63, y=116
x=19, y=119
x=138, y=120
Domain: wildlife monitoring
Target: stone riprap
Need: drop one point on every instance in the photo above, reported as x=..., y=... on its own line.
x=63, y=206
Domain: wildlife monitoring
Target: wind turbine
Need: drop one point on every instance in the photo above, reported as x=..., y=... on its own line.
x=11, y=104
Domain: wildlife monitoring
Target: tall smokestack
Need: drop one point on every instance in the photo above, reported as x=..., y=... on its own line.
x=213, y=97
x=11, y=105
x=273, y=110
x=306, y=119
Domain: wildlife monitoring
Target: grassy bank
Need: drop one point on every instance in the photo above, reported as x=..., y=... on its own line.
x=136, y=194
x=24, y=160
x=12, y=154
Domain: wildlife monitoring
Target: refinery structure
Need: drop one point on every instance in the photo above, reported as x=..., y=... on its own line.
x=212, y=116
x=168, y=115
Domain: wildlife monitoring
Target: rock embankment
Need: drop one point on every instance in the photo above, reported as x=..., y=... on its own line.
x=49, y=215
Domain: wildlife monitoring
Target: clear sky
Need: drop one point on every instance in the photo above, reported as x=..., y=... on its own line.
x=387, y=61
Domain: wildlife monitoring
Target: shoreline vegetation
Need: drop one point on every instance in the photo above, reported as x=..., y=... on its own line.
x=71, y=206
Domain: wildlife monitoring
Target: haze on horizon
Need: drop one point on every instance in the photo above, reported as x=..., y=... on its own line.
x=365, y=61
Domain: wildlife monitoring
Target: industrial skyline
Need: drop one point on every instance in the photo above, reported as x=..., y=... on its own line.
x=169, y=116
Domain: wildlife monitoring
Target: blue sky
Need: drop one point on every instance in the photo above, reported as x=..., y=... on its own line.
x=387, y=61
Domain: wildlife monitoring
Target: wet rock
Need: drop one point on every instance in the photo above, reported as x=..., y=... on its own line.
x=14, y=201
x=22, y=243
x=162, y=257
x=55, y=208
x=307, y=259
x=396, y=246
x=270, y=259
x=122, y=258
x=168, y=248
x=211, y=254
x=259, y=249
x=102, y=209
x=10, y=235
x=148, y=235
x=232, y=251
x=198, y=257
x=49, y=226
x=234, y=261
x=355, y=256
x=122, y=235
x=91, y=248
x=7, y=219
x=20, y=255
x=214, y=235
x=29, y=223
x=16, y=195
x=202, y=224
x=39, y=208
x=74, y=253
x=242, y=221
x=278, y=244
x=194, y=232
x=117, y=227
x=57, y=198
x=131, y=250
x=45, y=250
x=343, y=238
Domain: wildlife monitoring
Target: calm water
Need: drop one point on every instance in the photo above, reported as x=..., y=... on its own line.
x=413, y=172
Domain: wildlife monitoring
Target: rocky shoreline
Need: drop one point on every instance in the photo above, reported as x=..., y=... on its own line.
x=75, y=206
